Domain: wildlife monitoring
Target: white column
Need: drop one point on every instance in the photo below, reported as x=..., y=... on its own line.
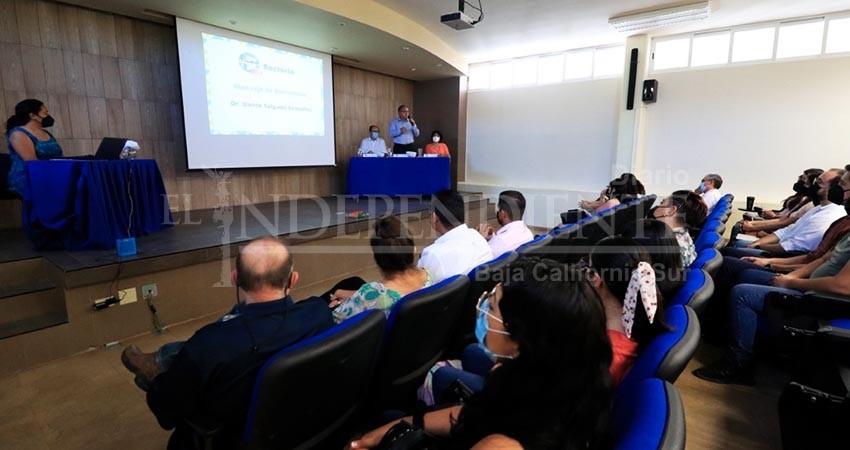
x=628, y=155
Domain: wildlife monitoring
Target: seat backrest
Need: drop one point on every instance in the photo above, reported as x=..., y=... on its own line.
x=648, y=416
x=481, y=279
x=708, y=260
x=707, y=239
x=309, y=394
x=418, y=330
x=668, y=353
x=536, y=246
x=696, y=291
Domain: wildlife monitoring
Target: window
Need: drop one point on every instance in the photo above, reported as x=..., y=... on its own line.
x=479, y=76
x=800, y=39
x=753, y=45
x=579, y=65
x=710, y=49
x=525, y=71
x=501, y=75
x=671, y=54
x=550, y=69
x=608, y=61
x=838, y=36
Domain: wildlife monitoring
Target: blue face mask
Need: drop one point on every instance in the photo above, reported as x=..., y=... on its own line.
x=482, y=327
x=702, y=187
x=374, y=134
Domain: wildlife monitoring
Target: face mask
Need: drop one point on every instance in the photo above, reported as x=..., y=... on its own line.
x=835, y=194
x=481, y=329
x=374, y=134
x=702, y=187
x=814, y=194
x=800, y=187
x=47, y=121
x=436, y=138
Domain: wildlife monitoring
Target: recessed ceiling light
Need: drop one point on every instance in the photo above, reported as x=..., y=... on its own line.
x=407, y=49
x=438, y=65
x=413, y=69
x=334, y=49
x=232, y=22
x=342, y=24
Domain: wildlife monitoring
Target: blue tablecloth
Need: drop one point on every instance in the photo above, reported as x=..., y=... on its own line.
x=398, y=176
x=84, y=204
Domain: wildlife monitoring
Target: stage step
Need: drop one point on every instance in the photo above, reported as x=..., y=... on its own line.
x=29, y=301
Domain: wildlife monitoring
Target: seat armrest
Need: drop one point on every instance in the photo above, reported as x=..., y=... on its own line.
x=205, y=430
x=814, y=304
x=834, y=344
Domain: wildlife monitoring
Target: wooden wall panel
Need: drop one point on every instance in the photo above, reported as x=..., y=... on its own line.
x=107, y=75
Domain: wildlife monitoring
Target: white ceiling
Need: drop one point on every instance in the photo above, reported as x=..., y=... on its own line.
x=527, y=27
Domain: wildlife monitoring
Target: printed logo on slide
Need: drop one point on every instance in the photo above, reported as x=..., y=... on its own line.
x=249, y=63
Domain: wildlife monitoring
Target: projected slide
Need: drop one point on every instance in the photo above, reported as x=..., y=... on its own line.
x=253, y=89
x=253, y=102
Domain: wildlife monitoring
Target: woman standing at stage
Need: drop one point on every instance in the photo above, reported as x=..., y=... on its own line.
x=28, y=139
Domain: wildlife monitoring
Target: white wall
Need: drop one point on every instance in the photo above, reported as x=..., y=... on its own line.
x=556, y=141
x=758, y=126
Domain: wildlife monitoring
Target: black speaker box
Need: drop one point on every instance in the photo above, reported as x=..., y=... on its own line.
x=650, y=91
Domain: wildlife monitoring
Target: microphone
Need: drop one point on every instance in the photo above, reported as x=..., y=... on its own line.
x=412, y=122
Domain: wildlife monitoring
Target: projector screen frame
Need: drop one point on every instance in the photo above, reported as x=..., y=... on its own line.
x=186, y=167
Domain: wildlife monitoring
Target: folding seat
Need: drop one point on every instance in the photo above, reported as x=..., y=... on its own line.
x=648, y=415
x=696, y=291
x=668, y=353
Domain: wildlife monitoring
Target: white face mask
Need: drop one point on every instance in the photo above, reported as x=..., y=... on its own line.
x=436, y=138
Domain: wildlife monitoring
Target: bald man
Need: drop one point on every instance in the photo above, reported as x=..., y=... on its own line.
x=211, y=376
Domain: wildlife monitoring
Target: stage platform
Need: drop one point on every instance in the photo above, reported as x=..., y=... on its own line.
x=46, y=298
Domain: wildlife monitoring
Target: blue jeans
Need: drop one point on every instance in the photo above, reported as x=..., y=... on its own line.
x=476, y=366
x=747, y=304
x=165, y=355
x=740, y=252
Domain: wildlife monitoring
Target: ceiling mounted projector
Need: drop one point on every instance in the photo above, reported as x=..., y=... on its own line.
x=661, y=17
x=460, y=20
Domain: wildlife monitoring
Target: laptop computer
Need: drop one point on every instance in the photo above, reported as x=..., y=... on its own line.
x=110, y=148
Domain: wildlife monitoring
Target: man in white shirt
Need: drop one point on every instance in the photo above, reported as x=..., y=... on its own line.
x=513, y=231
x=709, y=190
x=459, y=248
x=804, y=235
x=372, y=145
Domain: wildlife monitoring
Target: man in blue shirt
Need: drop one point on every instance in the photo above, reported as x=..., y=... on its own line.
x=210, y=377
x=404, y=131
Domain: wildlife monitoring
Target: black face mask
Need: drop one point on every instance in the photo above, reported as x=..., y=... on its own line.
x=800, y=187
x=847, y=206
x=835, y=194
x=814, y=194
x=47, y=121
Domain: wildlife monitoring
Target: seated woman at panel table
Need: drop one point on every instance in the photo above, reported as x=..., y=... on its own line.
x=436, y=146
x=393, y=249
x=552, y=390
x=28, y=139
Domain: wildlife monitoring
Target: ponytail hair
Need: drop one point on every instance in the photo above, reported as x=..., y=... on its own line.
x=22, y=113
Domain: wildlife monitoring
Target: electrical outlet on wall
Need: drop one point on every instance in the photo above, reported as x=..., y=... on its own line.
x=127, y=296
x=150, y=289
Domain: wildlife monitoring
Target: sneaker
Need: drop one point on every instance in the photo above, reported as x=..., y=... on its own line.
x=726, y=372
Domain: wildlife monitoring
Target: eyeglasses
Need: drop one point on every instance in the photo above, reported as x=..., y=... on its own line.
x=483, y=306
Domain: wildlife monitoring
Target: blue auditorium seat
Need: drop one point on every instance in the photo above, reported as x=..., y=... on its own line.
x=840, y=323
x=708, y=239
x=309, y=394
x=648, y=415
x=418, y=329
x=708, y=260
x=668, y=353
x=696, y=291
x=537, y=246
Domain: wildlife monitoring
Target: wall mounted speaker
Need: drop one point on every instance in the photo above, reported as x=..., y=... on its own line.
x=633, y=63
x=650, y=91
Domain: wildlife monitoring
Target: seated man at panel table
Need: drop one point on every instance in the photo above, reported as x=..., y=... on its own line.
x=805, y=234
x=459, y=248
x=709, y=190
x=211, y=376
x=373, y=145
x=513, y=231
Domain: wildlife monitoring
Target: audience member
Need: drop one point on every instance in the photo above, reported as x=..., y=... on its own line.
x=404, y=131
x=709, y=190
x=513, y=231
x=373, y=145
x=663, y=248
x=211, y=376
x=437, y=146
x=620, y=271
x=793, y=208
x=681, y=211
x=624, y=188
x=393, y=249
x=552, y=389
x=804, y=235
x=28, y=139
x=458, y=249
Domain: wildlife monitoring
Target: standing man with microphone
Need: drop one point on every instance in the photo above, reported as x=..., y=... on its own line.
x=403, y=130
